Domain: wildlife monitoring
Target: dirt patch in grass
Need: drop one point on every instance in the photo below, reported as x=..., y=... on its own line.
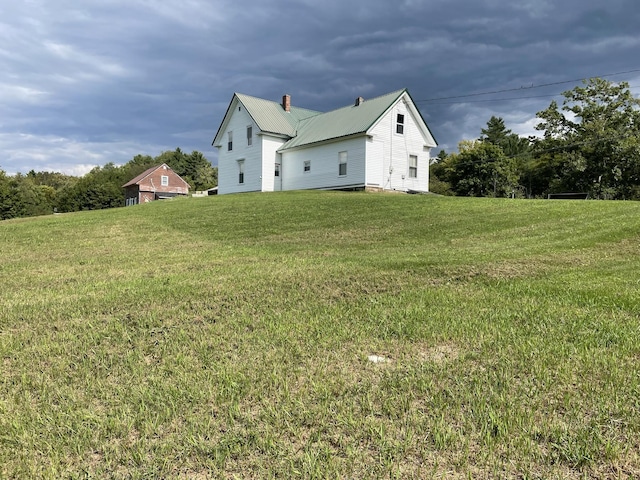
x=437, y=353
x=402, y=353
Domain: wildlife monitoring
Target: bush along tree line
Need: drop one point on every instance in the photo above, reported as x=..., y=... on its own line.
x=42, y=193
x=590, y=144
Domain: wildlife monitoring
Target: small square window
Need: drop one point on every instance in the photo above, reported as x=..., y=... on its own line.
x=164, y=180
x=400, y=124
x=307, y=165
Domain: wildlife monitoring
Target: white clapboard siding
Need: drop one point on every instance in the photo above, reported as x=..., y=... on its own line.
x=324, y=164
x=397, y=149
x=270, y=145
x=375, y=163
x=251, y=154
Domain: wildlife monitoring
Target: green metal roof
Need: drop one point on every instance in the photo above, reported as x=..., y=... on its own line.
x=342, y=122
x=270, y=117
x=303, y=127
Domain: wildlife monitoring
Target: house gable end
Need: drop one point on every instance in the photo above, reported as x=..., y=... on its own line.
x=139, y=181
x=429, y=140
x=268, y=116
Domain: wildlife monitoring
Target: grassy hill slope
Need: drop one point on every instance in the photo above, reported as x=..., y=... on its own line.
x=230, y=336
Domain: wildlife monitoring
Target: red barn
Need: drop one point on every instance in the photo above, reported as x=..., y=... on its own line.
x=155, y=184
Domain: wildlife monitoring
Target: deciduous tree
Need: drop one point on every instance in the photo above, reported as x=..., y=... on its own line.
x=481, y=169
x=592, y=143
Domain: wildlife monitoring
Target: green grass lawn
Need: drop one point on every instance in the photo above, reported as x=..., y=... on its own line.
x=228, y=337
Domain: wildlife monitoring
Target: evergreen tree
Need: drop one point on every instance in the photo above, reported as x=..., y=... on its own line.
x=497, y=133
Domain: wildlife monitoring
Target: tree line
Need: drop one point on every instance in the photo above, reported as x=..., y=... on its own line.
x=590, y=144
x=42, y=193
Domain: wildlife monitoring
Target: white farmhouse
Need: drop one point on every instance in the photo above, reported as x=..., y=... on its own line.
x=377, y=144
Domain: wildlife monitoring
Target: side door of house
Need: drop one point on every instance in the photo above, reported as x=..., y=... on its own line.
x=277, y=180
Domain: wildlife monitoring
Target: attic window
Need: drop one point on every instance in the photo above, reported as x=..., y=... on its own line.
x=164, y=180
x=249, y=135
x=230, y=142
x=400, y=124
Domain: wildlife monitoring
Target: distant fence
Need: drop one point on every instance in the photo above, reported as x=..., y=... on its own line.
x=205, y=193
x=568, y=196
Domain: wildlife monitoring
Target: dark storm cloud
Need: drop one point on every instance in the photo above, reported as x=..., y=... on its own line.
x=82, y=84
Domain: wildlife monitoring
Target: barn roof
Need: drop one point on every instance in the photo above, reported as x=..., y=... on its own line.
x=135, y=180
x=149, y=171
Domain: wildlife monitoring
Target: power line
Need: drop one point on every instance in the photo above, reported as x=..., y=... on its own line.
x=529, y=87
x=550, y=95
x=500, y=99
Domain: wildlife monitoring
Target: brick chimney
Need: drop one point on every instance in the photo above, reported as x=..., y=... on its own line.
x=359, y=101
x=286, y=102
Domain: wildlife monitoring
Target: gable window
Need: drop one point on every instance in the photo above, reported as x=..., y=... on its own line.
x=342, y=164
x=240, y=171
x=307, y=165
x=164, y=180
x=400, y=124
x=230, y=141
x=413, y=166
x=249, y=135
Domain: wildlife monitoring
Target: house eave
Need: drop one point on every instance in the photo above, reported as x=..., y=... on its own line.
x=263, y=133
x=323, y=142
x=216, y=142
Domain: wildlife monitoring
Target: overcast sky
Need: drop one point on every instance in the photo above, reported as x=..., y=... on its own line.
x=86, y=82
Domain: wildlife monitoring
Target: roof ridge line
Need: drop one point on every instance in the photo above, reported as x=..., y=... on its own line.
x=402, y=90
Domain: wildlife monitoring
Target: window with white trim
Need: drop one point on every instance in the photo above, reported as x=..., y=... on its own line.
x=277, y=171
x=240, y=171
x=342, y=164
x=249, y=135
x=400, y=123
x=230, y=141
x=307, y=166
x=164, y=180
x=413, y=166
